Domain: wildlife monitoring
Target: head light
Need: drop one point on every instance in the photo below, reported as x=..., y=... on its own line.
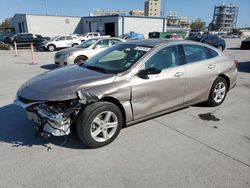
x=64, y=56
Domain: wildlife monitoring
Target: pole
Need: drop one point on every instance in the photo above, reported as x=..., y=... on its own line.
x=33, y=55
x=15, y=46
x=46, y=6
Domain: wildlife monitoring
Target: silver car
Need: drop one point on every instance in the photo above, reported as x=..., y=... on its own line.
x=85, y=50
x=125, y=84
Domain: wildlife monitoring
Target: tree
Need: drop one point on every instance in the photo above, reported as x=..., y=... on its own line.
x=6, y=23
x=198, y=24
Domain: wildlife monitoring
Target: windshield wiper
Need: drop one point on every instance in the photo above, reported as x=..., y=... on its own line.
x=99, y=69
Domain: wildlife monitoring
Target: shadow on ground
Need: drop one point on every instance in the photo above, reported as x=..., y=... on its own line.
x=17, y=130
x=49, y=66
x=234, y=48
x=244, y=67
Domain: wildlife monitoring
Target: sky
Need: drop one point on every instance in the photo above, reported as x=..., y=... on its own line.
x=191, y=8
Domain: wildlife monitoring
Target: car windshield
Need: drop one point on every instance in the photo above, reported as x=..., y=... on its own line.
x=116, y=59
x=87, y=43
x=54, y=38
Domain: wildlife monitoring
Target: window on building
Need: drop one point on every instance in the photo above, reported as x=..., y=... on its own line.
x=66, y=21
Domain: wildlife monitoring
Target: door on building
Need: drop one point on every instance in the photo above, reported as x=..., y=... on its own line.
x=20, y=27
x=110, y=29
x=92, y=26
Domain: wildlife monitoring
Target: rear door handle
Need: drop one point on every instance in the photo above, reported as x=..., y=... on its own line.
x=179, y=74
x=211, y=66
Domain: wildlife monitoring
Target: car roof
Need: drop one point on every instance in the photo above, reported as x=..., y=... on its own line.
x=151, y=43
x=148, y=42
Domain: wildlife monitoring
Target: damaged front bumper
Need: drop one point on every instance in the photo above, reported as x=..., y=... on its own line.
x=55, y=117
x=49, y=120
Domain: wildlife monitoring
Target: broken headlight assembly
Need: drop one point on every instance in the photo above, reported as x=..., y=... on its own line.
x=54, y=117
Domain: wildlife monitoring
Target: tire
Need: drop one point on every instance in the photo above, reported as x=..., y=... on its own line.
x=218, y=92
x=220, y=48
x=51, y=47
x=94, y=124
x=80, y=59
x=10, y=47
x=73, y=45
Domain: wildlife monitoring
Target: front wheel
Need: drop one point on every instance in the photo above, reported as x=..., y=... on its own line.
x=99, y=124
x=51, y=48
x=220, y=48
x=75, y=44
x=80, y=59
x=218, y=92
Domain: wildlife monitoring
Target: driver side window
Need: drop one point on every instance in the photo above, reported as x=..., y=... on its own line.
x=165, y=58
x=103, y=43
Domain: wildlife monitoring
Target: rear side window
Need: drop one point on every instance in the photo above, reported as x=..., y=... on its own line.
x=211, y=53
x=69, y=38
x=115, y=41
x=194, y=53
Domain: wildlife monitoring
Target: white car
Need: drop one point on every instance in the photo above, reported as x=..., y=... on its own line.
x=58, y=42
x=85, y=50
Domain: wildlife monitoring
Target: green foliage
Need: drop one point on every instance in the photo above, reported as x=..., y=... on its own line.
x=198, y=24
x=6, y=23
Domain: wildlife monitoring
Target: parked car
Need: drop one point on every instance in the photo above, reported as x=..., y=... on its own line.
x=84, y=51
x=195, y=32
x=60, y=42
x=213, y=40
x=245, y=44
x=90, y=35
x=173, y=36
x=229, y=36
x=132, y=36
x=124, y=84
x=25, y=40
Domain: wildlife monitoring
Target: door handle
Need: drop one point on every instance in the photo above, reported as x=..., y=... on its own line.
x=211, y=66
x=179, y=74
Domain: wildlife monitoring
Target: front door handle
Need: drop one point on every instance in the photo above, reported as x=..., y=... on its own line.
x=179, y=74
x=211, y=66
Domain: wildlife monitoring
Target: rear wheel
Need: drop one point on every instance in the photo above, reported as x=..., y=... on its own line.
x=80, y=59
x=73, y=45
x=99, y=124
x=218, y=92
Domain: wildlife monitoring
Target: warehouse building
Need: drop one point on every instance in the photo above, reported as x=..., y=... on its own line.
x=46, y=25
x=113, y=25
x=117, y=25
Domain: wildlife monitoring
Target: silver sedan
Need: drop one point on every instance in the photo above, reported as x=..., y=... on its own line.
x=125, y=84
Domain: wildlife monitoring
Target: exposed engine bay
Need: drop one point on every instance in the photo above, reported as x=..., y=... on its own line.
x=54, y=117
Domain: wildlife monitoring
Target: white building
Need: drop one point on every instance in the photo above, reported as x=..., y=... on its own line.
x=113, y=25
x=46, y=25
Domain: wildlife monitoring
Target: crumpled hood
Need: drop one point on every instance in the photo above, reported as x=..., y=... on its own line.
x=62, y=83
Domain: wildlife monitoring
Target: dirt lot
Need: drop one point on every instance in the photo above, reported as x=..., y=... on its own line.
x=194, y=147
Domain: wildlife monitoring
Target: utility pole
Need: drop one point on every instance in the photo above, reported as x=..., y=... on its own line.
x=46, y=6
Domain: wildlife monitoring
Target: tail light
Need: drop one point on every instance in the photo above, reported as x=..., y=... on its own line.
x=236, y=62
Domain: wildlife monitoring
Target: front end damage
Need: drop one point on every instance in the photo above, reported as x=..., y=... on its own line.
x=54, y=117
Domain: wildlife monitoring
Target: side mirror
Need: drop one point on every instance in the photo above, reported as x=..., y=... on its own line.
x=145, y=72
